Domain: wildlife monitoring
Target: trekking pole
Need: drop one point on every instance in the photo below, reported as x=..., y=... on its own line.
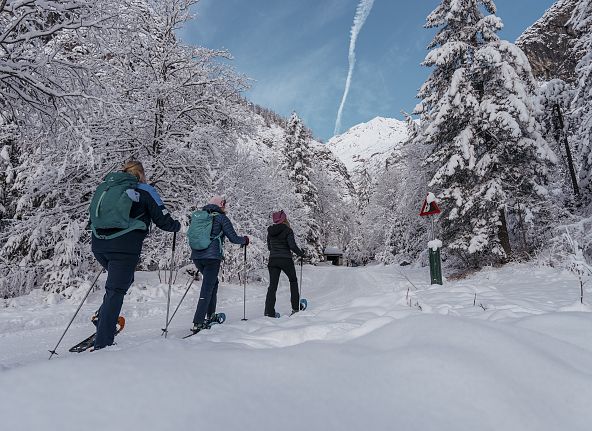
x=245, y=287
x=300, y=286
x=170, y=283
x=54, y=351
x=165, y=330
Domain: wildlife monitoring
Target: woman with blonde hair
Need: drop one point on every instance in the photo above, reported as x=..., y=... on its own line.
x=121, y=211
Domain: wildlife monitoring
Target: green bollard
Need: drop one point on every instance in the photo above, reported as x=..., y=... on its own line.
x=435, y=266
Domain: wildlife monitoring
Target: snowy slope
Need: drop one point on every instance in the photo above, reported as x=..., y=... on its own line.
x=377, y=349
x=268, y=144
x=369, y=144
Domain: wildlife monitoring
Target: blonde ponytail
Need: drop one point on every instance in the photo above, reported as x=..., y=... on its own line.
x=135, y=168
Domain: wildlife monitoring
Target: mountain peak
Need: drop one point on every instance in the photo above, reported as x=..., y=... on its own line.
x=369, y=144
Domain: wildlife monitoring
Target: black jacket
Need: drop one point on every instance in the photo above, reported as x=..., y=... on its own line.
x=281, y=242
x=152, y=209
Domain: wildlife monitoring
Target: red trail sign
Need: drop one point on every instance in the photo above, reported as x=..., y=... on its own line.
x=429, y=208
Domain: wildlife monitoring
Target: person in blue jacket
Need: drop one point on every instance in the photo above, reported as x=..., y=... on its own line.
x=120, y=255
x=208, y=262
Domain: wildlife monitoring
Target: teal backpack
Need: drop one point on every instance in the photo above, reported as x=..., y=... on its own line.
x=110, y=206
x=199, y=233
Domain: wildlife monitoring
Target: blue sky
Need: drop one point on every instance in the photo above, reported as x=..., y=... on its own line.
x=296, y=52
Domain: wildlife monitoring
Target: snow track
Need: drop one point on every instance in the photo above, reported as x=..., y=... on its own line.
x=360, y=357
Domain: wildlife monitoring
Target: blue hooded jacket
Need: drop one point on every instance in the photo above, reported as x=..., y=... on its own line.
x=222, y=224
x=148, y=206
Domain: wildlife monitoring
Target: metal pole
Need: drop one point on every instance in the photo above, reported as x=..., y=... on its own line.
x=435, y=259
x=300, y=286
x=245, y=287
x=570, y=164
x=165, y=330
x=170, y=283
x=54, y=352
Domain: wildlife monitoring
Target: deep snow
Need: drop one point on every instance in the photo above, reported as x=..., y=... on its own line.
x=378, y=348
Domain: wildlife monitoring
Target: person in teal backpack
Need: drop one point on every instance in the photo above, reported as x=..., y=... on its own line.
x=209, y=227
x=121, y=211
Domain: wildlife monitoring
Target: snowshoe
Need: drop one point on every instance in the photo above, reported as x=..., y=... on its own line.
x=89, y=342
x=215, y=318
x=196, y=328
x=303, y=304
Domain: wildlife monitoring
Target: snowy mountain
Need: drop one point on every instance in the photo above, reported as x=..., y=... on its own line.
x=364, y=150
x=369, y=144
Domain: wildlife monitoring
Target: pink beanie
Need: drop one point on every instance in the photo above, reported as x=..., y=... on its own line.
x=218, y=201
x=279, y=217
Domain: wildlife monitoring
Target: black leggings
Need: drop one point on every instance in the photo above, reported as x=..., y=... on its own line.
x=275, y=267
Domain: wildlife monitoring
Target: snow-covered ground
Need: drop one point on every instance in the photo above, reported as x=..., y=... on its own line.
x=378, y=348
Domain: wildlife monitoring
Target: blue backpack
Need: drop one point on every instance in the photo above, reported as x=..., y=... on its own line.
x=199, y=234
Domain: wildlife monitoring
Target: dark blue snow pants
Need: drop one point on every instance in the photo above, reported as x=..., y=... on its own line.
x=209, y=269
x=120, y=276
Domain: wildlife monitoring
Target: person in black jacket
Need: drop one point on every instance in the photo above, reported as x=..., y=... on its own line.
x=281, y=244
x=120, y=255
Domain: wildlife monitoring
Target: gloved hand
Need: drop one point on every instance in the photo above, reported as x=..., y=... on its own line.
x=247, y=241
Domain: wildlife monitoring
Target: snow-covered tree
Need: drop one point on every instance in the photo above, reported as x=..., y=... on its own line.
x=149, y=97
x=298, y=164
x=30, y=35
x=489, y=158
x=398, y=198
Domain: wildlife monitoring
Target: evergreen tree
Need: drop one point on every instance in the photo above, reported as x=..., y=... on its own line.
x=488, y=159
x=365, y=186
x=298, y=164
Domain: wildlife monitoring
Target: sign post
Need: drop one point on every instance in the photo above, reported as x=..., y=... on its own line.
x=429, y=209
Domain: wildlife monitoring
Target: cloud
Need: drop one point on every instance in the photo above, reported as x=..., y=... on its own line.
x=362, y=12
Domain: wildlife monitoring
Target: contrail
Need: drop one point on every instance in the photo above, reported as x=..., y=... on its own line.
x=362, y=12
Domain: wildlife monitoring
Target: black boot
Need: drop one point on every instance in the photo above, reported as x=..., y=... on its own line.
x=198, y=327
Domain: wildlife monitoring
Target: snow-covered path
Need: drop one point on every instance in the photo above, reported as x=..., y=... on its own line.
x=377, y=348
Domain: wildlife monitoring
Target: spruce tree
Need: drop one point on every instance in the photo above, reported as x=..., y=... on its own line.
x=488, y=159
x=298, y=164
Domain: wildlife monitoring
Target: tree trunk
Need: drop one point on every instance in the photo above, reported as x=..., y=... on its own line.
x=158, y=126
x=503, y=235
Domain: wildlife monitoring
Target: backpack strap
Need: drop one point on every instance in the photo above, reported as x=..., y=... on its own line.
x=136, y=224
x=100, y=201
x=219, y=236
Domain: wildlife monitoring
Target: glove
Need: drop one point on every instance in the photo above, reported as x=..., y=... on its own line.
x=247, y=241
